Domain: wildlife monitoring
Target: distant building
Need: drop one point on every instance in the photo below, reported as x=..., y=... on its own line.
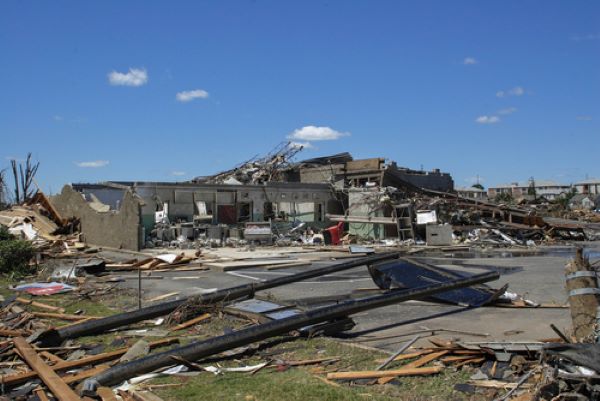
x=472, y=193
x=543, y=188
x=589, y=186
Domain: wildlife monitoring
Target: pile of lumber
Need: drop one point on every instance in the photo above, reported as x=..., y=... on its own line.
x=159, y=262
x=419, y=362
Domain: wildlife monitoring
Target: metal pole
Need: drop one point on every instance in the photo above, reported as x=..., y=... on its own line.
x=401, y=350
x=215, y=345
x=139, y=287
x=58, y=335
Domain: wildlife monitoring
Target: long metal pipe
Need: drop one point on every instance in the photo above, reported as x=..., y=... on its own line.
x=57, y=336
x=212, y=346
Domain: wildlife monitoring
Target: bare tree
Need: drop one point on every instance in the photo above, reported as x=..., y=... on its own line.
x=23, y=177
x=13, y=165
x=2, y=189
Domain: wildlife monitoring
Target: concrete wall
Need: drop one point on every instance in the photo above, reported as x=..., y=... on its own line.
x=116, y=229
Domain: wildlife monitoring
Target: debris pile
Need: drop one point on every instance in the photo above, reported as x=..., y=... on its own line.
x=258, y=170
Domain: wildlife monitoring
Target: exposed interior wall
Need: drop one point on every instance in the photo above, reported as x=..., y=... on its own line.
x=234, y=204
x=114, y=228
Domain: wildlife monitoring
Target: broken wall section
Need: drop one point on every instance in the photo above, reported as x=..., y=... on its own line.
x=113, y=228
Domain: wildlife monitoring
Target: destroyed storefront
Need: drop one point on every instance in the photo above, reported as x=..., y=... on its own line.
x=184, y=212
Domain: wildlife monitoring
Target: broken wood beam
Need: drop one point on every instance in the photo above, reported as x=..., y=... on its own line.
x=41, y=394
x=191, y=322
x=424, y=360
x=14, y=379
x=79, y=376
x=376, y=374
x=14, y=333
x=40, y=305
x=56, y=385
x=106, y=394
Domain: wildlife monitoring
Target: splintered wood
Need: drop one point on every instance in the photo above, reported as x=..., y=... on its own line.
x=167, y=262
x=445, y=353
x=54, y=382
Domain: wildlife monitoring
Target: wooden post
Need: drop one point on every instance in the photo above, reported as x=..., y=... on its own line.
x=583, y=292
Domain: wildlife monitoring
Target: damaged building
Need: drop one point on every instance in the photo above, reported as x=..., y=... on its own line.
x=269, y=195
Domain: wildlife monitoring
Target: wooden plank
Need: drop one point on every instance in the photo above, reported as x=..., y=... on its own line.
x=106, y=394
x=107, y=356
x=424, y=360
x=51, y=357
x=13, y=333
x=41, y=394
x=375, y=374
x=40, y=305
x=411, y=355
x=79, y=376
x=58, y=387
x=191, y=322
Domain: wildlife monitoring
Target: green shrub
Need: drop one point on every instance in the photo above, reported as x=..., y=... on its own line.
x=15, y=256
x=4, y=234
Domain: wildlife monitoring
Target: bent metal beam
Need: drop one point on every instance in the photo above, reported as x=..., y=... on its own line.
x=215, y=345
x=58, y=335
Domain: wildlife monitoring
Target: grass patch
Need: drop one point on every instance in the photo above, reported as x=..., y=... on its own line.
x=305, y=383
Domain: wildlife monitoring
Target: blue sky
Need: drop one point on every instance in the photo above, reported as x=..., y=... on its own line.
x=148, y=90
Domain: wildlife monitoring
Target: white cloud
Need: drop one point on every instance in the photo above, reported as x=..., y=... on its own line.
x=516, y=91
x=312, y=133
x=584, y=118
x=135, y=77
x=57, y=118
x=92, y=164
x=178, y=173
x=487, y=119
x=303, y=145
x=188, y=96
x=507, y=111
x=470, y=61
